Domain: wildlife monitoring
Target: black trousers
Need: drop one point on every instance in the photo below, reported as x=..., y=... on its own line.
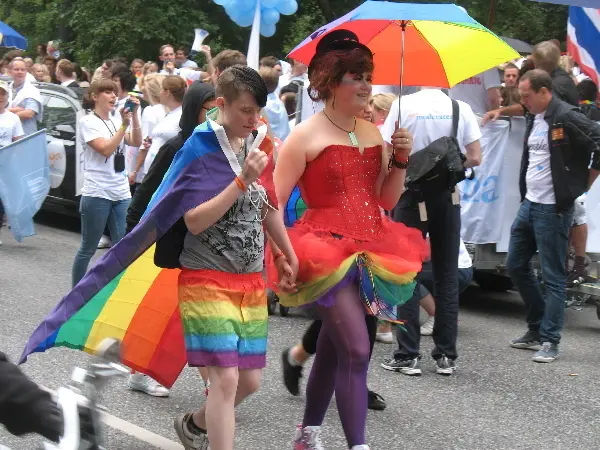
x=311, y=335
x=443, y=226
x=24, y=407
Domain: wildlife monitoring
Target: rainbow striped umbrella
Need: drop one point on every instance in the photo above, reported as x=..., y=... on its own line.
x=417, y=44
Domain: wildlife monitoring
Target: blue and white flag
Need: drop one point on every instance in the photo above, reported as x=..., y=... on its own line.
x=583, y=39
x=24, y=181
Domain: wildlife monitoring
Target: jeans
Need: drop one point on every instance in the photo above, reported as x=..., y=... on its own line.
x=539, y=228
x=443, y=226
x=96, y=213
x=409, y=340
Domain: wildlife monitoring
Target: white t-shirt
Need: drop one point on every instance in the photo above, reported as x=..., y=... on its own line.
x=165, y=130
x=473, y=91
x=10, y=127
x=100, y=178
x=464, y=259
x=151, y=116
x=540, y=188
x=428, y=116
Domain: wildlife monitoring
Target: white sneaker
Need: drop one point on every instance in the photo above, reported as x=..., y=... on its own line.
x=143, y=383
x=360, y=447
x=385, y=338
x=105, y=242
x=427, y=327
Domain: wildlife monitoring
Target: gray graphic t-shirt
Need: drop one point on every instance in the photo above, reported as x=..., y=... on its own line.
x=234, y=244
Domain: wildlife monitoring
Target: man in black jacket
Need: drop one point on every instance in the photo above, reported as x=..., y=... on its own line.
x=24, y=407
x=559, y=143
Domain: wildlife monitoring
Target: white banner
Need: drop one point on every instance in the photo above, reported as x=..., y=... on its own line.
x=483, y=199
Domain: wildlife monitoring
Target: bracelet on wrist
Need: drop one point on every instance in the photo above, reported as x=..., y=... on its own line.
x=278, y=255
x=400, y=163
x=240, y=184
x=123, y=128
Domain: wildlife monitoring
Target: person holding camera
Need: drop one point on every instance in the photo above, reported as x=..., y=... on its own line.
x=105, y=195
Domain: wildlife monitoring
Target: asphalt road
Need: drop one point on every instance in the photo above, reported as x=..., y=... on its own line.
x=499, y=399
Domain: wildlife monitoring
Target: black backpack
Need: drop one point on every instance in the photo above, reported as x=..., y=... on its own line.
x=439, y=166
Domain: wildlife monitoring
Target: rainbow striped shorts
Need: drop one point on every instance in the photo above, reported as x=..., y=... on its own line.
x=224, y=318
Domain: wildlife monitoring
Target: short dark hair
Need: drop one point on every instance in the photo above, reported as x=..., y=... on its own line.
x=117, y=67
x=126, y=79
x=538, y=79
x=238, y=79
x=510, y=66
x=269, y=61
x=182, y=49
x=588, y=90
x=228, y=58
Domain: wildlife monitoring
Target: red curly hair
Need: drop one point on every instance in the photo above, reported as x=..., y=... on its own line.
x=328, y=69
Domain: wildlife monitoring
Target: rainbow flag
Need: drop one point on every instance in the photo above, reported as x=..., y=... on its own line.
x=294, y=208
x=125, y=295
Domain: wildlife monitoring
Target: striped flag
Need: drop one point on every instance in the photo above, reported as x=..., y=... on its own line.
x=125, y=295
x=583, y=40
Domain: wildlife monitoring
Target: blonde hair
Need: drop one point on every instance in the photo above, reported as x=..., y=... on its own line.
x=383, y=102
x=151, y=85
x=46, y=77
x=147, y=66
x=546, y=56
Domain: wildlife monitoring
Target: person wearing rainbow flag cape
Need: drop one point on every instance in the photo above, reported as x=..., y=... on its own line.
x=215, y=300
x=222, y=292
x=353, y=260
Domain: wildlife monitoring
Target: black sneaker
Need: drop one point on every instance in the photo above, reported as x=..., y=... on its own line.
x=409, y=366
x=445, y=366
x=376, y=401
x=530, y=339
x=291, y=374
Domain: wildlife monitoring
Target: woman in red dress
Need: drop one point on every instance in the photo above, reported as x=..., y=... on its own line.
x=352, y=260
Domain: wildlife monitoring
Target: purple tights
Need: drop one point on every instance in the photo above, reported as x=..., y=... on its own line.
x=341, y=365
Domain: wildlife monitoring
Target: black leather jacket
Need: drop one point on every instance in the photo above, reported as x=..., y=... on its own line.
x=573, y=139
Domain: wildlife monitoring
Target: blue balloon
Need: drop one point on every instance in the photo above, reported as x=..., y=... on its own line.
x=248, y=5
x=270, y=16
x=245, y=18
x=269, y=3
x=222, y=2
x=287, y=7
x=267, y=30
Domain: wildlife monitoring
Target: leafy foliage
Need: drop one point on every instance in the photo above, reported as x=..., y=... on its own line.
x=137, y=28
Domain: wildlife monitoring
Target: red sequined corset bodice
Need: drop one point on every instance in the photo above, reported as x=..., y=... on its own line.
x=338, y=187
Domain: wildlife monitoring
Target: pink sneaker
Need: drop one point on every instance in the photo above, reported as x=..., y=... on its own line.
x=308, y=438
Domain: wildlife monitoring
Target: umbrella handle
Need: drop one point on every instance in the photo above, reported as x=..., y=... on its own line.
x=403, y=26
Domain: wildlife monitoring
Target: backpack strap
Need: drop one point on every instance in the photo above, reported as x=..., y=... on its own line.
x=455, y=117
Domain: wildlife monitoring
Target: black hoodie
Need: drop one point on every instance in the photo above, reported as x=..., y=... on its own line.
x=196, y=95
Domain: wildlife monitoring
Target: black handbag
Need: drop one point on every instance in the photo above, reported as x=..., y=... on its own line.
x=440, y=165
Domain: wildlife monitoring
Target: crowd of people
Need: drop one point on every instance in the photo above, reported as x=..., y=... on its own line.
x=349, y=161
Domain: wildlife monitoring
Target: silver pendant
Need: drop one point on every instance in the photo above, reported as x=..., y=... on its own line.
x=353, y=139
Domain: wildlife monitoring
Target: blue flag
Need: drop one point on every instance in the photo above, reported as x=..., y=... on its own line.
x=24, y=181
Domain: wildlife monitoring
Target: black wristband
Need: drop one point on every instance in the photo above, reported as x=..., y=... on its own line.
x=400, y=164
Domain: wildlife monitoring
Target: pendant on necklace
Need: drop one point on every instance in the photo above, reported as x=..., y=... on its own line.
x=353, y=139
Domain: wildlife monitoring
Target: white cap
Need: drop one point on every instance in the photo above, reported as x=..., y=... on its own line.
x=4, y=85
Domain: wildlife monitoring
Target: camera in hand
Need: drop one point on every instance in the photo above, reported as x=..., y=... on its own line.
x=119, y=161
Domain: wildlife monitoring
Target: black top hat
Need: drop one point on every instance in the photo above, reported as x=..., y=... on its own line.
x=335, y=41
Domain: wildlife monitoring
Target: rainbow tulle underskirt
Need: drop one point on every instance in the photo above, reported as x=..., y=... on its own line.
x=383, y=268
